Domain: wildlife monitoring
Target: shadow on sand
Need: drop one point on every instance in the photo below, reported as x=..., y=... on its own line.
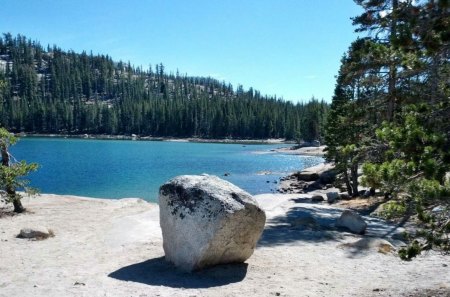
x=317, y=223
x=158, y=272
x=301, y=224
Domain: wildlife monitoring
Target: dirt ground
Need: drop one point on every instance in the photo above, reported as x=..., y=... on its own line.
x=114, y=248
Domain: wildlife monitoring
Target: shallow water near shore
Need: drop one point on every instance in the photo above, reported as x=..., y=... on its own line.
x=123, y=168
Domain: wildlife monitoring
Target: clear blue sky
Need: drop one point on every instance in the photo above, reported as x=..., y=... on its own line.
x=290, y=48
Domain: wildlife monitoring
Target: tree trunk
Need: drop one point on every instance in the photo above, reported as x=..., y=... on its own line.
x=18, y=207
x=347, y=183
x=354, y=175
x=391, y=93
x=392, y=67
x=435, y=77
x=5, y=156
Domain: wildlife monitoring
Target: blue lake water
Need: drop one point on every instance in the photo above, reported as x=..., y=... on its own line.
x=121, y=168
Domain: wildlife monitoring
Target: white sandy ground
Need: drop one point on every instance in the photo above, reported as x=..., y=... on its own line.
x=114, y=248
x=318, y=151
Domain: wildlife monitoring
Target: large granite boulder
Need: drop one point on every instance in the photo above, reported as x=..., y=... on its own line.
x=206, y=221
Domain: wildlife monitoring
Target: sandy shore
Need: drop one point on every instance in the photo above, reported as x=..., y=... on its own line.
x=307, y=151
x=114, y=248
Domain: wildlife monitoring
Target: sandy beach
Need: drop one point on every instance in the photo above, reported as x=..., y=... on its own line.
x=107, y=247
x=318, y=151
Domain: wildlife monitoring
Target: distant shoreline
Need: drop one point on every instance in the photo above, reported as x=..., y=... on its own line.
x=152, y=138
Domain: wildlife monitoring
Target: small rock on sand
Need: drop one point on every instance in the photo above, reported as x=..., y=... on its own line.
x=317, y=198
x=332, y=196
x=37, y=232
x=370, y=244
x=352, y=221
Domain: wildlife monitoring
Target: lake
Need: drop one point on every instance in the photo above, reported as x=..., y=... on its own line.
x=125, y=168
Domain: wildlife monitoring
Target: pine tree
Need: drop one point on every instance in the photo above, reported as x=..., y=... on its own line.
x=404, y=65
x=12, y=173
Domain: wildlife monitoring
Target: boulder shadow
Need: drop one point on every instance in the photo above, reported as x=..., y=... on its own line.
x=317, y=223
x=158, y=272
x=308, y=224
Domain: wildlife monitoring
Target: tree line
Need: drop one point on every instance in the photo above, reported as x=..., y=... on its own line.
x=390, y=113
x=55, y=91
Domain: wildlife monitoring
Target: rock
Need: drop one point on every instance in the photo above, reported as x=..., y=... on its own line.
x=441, y=210
x=400, y=234
x=207, y=221
x=37, y=232
x=332, y=196
x=352, y=221
x=226, y=174
x=313, y=186
x=307, y=176
x=324, y=173
x=438, y=209
x=370, y=244
x=386, y=248
x=79, y=284
x=317, y=198
x=344, y=196
x=378, y=212
x=361, y=193
x=328, y=176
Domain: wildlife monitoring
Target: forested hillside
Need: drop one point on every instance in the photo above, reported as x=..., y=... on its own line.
x=390, y=113
x=55, y=91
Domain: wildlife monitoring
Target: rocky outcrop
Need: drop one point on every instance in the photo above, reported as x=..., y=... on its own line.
x=310, y=179
x=307, y=175
x=352, y=221
x=206, y=221
x=323, y=172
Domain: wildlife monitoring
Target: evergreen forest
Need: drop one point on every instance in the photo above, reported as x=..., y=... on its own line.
x=55, y=91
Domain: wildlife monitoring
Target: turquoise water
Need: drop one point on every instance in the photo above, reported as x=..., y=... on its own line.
x=119, y=169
